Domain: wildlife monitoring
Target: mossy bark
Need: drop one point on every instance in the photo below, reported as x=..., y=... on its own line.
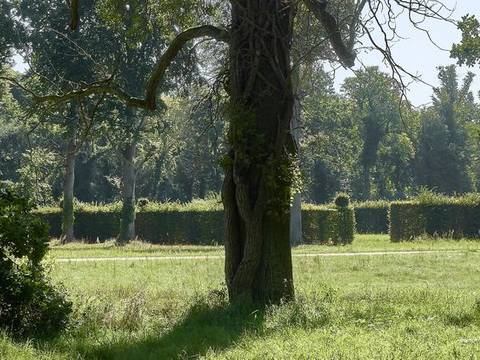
x=256, y=189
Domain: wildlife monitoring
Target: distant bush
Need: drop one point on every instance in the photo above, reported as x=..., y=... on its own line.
x=372, y=217
x=435, y=215
x=142, y=202
x=346, y=225
x=199, y=222
x=29, y=304
x=345, y=220
x=342, y=200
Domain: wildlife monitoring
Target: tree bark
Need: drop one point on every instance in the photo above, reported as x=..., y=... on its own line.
x=68, y=191
x=256, y=189
x=127, y=220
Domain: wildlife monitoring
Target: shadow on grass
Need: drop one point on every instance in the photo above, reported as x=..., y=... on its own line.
x=204, y=327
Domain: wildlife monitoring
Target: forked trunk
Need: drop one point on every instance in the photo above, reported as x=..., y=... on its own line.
x=127, y=220
x=256, y=189
x=68, y=195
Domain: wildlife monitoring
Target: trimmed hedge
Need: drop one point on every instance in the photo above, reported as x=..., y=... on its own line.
x=435, y=215
x=372, y=217
x=322, y=225
x=92, y=222
x=198, y=223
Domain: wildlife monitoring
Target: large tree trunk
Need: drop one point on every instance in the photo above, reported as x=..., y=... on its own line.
x=127, y=220
x=256, y=189
x=68, y=191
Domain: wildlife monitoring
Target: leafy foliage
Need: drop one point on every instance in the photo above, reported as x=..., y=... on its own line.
x=7, y=32
x=29, y=304
x=468, y=51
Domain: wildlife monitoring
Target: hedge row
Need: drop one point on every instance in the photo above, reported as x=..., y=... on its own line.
x=372, y=217
x=321, y=225
x=435, y=215
x=199, y=224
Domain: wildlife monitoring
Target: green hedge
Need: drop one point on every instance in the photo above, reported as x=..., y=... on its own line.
x=92, y=222
x=372, y=217
x=435, y=215
x=195, y=223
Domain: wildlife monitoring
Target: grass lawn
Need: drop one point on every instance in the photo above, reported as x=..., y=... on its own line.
x=422, y=306
x=362, y=243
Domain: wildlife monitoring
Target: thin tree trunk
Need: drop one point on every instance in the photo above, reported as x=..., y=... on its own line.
x=155, y=181
x=68, y=191
x=127, y=221
x=256, y=189
x=296, y=207
x=367, y=187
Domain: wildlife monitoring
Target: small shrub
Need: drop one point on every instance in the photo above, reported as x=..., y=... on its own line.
x=29, y=304
x=342, y=200
x=142, y=202
x=346, y=225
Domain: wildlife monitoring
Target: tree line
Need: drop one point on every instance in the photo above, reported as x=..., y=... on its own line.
x=365, y=140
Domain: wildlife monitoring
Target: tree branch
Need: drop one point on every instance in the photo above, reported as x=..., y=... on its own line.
x=172, y=51
x=319, y=9
x=106, y=87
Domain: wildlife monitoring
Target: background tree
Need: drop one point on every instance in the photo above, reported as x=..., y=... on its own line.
x=7, y=32
x=331, y=140
x=58, y=62
x=468, y=50
x=377, y=98
x=443, y=157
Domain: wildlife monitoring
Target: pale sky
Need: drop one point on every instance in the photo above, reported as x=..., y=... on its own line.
x=415, y=52
x=419, y=56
